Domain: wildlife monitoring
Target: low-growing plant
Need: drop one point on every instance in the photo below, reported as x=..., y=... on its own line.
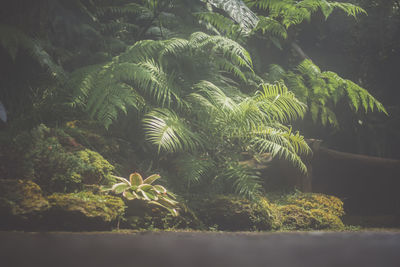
x=137, y=188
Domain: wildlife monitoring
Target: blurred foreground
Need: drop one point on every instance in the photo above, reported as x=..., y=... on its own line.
x=187, y=249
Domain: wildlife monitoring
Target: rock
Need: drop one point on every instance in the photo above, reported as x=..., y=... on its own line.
x=310, y=201
x=311, y=211
x=21, y=204
x=57, y=163
x=233, y=213
x=83, y=211
x=141, y=215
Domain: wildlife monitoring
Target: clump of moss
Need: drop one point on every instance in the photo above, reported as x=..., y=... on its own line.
x=293, y=217
x=96, y=170
x=21, y=204
x=311, y=211
x=84, y=211
x=315, y=201
x=56, y=162
x=233, y=213
x=327, y=220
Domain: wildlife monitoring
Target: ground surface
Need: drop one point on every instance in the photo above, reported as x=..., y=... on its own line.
x=186, y=249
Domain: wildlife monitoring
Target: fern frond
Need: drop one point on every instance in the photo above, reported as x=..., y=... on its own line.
x=271, y=26
x=220, y=22
x=350, y=9
x=281, y=144
x=141, y=50
x=168, y=132
x=225, y=46
x=277, y=102
x=193, y=168
x=246, y=182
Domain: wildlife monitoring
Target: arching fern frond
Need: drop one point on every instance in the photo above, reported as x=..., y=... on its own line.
x=323, y=90
x=282, y=144
x=245, y=181
x=278, y=103
x=168, y=132
x=222, y=46
x=271, y=26
x=192, y=168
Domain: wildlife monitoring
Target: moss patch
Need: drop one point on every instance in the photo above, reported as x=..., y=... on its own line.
x=21, y=204
x=56, y=162
x=84, y=211
x=237, y=214
x=311, y=211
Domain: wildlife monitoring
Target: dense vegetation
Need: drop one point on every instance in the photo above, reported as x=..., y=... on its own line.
x=183, y=88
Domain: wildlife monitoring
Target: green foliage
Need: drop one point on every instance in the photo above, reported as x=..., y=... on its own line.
x=245, y=181
x=58, y=164
x=190, y=89
x=166, y=130
x=323, y=90
x=290, y=12
x=139, y=189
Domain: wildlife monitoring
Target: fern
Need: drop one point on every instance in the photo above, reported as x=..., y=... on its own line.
x=271, y=27
x=281, y=144
x=279, y=103
x=323, y=90
x=192, y=169
x=245, y=181
x=291, y=12
x=168, y=132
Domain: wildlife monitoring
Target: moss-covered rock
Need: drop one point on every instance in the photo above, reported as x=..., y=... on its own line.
x=316, y=201
x=142, y=215
x=233, y=213
x=56, y=162
x=293, y=217
x=311, y=211
x=21, y=204
x=84, y=211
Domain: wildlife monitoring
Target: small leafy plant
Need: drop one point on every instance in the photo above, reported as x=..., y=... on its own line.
x=137, y=188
